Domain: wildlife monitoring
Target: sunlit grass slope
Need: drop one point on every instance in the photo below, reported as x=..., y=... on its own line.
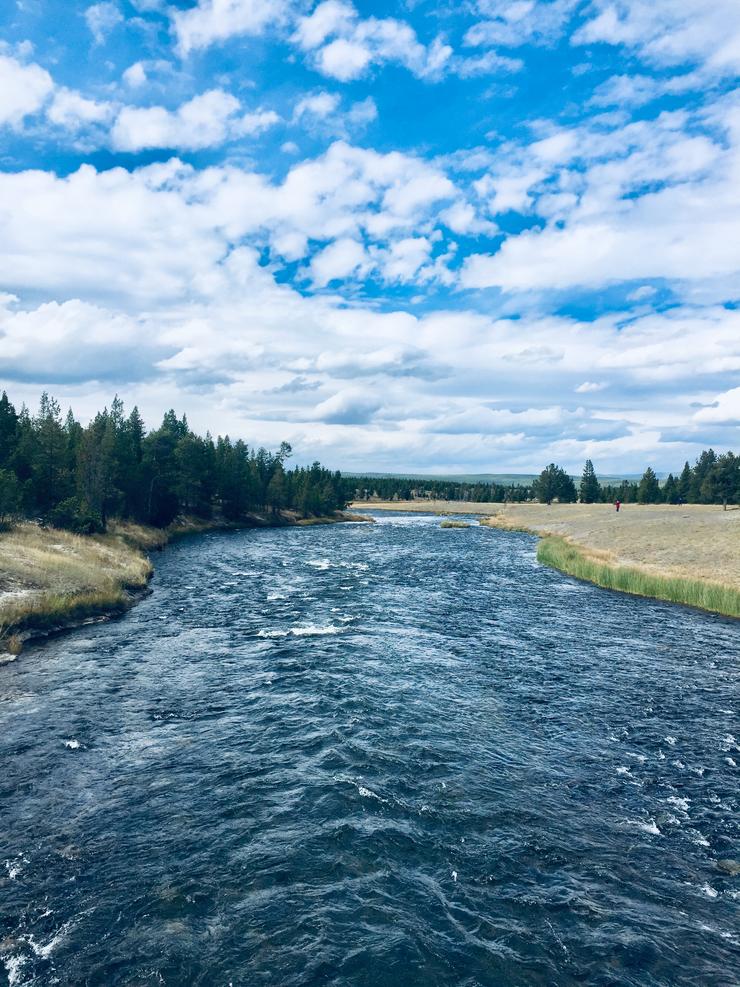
x=49, y=576
x=577, y=561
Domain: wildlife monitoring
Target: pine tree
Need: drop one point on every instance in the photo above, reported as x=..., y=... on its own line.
x=648, y=491
x=8, y=433
x=589, y=490
x=554, y=483
x=670, y=490
x=684, y=484
x=50, y=478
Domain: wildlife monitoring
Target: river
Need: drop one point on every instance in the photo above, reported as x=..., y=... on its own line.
x=386, y=755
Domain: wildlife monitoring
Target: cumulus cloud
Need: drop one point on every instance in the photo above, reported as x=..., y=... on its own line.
x=320, y=104
x=71, y=232
x=344, y=46
x=343, y=258
x=135, y=75
x=646, y=200
x=212, y=21
x=674, y=32
x=513, y=23
x=71, y=110
x=102, y=18
x=23, y=90
x=349, y=407
x=204, y=121
x=590, y=387
x=321, y=285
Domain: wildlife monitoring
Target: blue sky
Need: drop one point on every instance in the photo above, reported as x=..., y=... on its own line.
x=473, y=237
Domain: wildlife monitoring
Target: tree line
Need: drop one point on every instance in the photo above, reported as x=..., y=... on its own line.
x=713, y=479
x=78, y=477
x=400, y=488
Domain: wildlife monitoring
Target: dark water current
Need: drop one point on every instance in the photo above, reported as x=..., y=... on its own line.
x=372, y=755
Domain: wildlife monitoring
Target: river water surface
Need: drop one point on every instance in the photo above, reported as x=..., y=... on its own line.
x=384, y=754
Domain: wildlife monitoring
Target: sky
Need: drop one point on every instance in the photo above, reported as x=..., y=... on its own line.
x=471, y=236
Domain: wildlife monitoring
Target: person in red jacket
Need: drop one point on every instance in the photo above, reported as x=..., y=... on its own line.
x=617, y=504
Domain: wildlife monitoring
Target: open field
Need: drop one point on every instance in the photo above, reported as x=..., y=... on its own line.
x=687, y=551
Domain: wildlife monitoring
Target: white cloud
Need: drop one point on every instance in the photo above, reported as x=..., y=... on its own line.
x=362, y=112
x=320, y=104
x=590, y=387
x=344, y=46
x=348, y=407
x=671, y=32
x=252, y=124
x=71, y=110
x=212, y=21
x=490, y=63
x=512, y=24
x=725, y=409
x=341, y=259
x=329, y=17
x=102, y=18
x=204, y=121
x=190, y=217
x=647, y=200
x=135, y=75
x=405, y=257
x=23, y=90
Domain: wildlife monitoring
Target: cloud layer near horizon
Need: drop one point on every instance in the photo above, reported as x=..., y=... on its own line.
x=336, y=248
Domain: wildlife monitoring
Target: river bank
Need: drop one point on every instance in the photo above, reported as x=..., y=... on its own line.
x=687, y=554
x=52, y=580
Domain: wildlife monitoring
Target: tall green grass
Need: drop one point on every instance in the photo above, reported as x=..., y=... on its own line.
x=714, y=597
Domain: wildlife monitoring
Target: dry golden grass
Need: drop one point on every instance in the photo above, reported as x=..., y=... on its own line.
x=602, y=569
x=47, y=575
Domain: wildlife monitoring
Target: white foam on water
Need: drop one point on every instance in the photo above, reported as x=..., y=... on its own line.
x=315, y=630
x=303, y=630
x=13, y=969
x=670, y=740
x=454, y=876
x=623, y=770
x=680, y=803
x=276, y=596
x=321, y=564
x=731, y=762
x=647, y=827
x=709, y=891
x=696, y=837
x=367, y=793
x=72, y=745
x=729, y=743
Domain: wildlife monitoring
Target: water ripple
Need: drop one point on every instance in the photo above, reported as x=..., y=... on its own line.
x=372, y=755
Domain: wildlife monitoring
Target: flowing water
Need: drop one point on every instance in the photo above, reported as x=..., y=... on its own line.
x=383, y=754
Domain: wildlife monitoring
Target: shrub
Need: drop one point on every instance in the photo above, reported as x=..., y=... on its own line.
x=74, y=515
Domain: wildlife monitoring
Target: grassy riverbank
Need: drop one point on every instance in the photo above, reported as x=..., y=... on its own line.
x=687, y=554
x=574, y=560
x=51, y=579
